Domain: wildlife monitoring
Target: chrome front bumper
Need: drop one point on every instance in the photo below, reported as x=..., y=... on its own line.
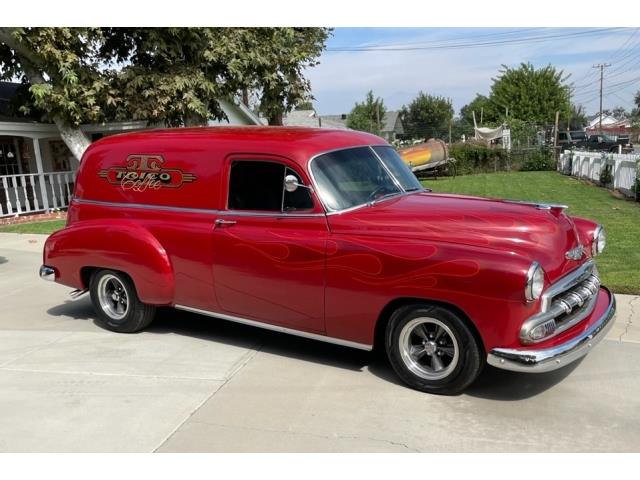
x=47, y=273
x=548, y=359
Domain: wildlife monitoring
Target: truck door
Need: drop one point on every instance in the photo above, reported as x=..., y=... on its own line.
x=269, y=246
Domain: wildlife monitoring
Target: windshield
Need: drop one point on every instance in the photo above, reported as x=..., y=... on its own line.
x=357, y=176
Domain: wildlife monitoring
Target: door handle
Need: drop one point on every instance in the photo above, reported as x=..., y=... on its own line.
x=220, y=222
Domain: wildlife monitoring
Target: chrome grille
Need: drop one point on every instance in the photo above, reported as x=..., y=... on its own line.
x=565, y=303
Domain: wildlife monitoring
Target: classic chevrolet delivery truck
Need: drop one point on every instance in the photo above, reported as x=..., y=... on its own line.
x=327, y=234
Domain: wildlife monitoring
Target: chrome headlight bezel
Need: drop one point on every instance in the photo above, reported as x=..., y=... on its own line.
x=599, y=241
x=534, y=285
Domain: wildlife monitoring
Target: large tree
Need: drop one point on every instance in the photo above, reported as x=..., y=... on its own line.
x=483, y=109
x=367, y=116
x=427, y=116
x=161, y=75
x=272, y=61
x=62, y=68
x=530, y=94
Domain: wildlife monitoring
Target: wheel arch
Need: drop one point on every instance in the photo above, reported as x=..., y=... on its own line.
x=78, y=251
x=395, y=304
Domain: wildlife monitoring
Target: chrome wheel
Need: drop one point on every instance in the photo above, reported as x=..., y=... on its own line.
x=428, y=348
x=113, y=297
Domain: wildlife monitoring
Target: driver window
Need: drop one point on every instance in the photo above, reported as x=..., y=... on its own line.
x=259, y=186
x=299, y=199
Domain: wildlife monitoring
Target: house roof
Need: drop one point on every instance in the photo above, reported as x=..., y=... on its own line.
x=390, y=119
x=301, y=118
x=608, y=120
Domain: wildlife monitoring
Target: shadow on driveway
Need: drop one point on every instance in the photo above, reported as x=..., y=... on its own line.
x=3, y=260
x=492, y=384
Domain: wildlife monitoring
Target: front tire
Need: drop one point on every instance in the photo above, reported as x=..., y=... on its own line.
x=432, y=349
x=115, y=299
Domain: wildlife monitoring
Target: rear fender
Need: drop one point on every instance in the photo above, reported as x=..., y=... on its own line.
x=116, y=244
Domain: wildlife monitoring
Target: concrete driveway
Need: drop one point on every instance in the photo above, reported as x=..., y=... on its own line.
x=193, y=383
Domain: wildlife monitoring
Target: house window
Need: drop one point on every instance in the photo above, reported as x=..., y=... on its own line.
x=60, y=155
x=259, y=186
x=8, y=159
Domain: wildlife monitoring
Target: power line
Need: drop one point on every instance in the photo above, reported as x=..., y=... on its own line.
x=451, y=46
x=453, y=39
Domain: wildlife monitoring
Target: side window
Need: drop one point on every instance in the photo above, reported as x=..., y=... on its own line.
x=298, y=200
x=255, y=185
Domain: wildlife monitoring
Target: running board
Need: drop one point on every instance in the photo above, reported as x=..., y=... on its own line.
x=77, y=293
x=277, y=328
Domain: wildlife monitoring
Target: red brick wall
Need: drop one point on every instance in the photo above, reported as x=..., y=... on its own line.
x=37, y=217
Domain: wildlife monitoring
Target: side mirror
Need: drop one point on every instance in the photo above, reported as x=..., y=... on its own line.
x=291, y=184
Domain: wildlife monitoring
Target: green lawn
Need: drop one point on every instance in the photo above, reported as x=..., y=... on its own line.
x=619, y=265
x=35, y=227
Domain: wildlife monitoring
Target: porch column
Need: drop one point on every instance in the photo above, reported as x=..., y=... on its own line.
x=43, y=187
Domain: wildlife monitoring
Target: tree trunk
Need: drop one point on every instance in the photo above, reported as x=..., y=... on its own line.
x=275, y=119
x=74, y=138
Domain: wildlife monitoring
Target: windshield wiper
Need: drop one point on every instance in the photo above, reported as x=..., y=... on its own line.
x=386, y=195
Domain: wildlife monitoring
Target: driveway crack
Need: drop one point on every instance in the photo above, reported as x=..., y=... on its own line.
x=250, y=356
x=632, y=314
x=335, y=436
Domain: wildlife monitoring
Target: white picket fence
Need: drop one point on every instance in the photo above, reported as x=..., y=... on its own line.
x=590, y=164
x=33, y=192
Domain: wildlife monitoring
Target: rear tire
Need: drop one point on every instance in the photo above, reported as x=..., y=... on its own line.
x=115, y=299
x=432, y=349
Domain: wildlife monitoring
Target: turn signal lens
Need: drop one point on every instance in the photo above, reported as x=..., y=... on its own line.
x=544, y=330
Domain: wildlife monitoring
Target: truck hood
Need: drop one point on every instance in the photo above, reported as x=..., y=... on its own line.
x=541, y=234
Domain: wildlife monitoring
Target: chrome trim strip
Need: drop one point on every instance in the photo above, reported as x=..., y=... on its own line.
x=47, y=273
x=277, y=328
x=538, y=205
x=548, y=359
x=239, y=213
x=145, y=206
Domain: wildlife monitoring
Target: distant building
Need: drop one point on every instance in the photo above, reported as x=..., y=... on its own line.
x=391, y=125
x=610, y=125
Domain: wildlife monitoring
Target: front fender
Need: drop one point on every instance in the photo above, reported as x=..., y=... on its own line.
x=116, y=244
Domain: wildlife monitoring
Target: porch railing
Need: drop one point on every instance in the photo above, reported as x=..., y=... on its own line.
x=33, y=192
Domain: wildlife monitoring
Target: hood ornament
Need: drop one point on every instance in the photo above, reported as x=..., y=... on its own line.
x=575, y=253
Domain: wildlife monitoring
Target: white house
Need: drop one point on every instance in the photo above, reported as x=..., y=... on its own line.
x=37, y=169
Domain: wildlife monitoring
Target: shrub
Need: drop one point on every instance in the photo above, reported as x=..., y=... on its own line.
x=605, y=176
x=538, y=160
x=474, y=158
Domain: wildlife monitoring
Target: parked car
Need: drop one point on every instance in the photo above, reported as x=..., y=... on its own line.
x=327, y=234
x=569, y=139
x=604, y=143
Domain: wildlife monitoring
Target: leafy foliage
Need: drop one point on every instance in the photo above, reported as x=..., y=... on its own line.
x=368, y=115
x=170, y=75
x=480, y=105
x=62, y=68
x=530, y=94
x=427, y=116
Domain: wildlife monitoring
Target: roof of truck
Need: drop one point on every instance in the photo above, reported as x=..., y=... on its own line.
x=297, y=143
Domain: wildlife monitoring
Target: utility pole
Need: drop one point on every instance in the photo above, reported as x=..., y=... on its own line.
x=601, y=66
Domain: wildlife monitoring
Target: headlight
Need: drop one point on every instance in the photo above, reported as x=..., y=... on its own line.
x=599, y=241
x=535, y=282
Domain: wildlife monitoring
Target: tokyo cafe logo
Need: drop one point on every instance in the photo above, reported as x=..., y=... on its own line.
x=146, y=172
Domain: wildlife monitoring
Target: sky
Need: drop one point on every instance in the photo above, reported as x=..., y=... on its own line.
x=400, y=62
